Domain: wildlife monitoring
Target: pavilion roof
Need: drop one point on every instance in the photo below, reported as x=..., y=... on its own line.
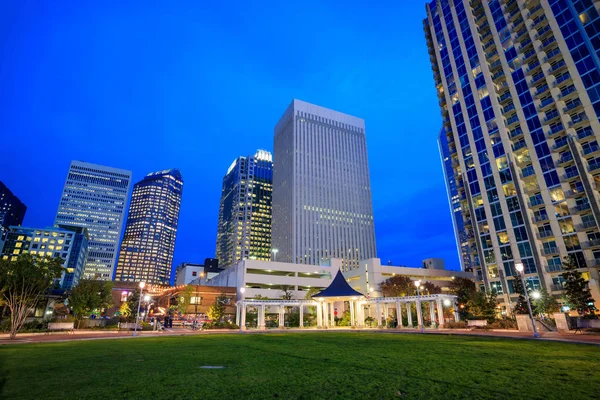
x=339, y=287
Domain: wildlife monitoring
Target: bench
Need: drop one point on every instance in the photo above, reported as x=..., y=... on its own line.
x=129, y=325
x=61, y=326
x=477, y=322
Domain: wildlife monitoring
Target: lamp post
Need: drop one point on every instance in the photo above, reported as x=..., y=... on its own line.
x=418, y=285
x=521, y=270
x=147, y=301
x=275, y=251
x=137, y=316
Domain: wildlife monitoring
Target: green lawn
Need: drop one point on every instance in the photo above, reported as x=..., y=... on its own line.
x=301, y=366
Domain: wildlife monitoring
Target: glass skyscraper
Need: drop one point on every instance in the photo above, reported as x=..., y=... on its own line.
x=462, y=234
x=94, y=197
x=321, y=187
x=518, y=89
x=149, y=241
x=244, y=230
x=12, y=211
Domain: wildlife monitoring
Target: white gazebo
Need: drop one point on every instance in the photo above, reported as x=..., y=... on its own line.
x=340, y=291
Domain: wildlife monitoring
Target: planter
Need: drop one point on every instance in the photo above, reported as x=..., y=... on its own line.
x=524, y=323
x=477, y=322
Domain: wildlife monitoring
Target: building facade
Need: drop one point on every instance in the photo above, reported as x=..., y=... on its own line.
x=149, y=241
x=518, y=89
x=461, y=234
x=94, y=197
x=12, y=211
x=244, y=230
x=321, y=187
x=187, y=272
x=370, y=274
x=70, y=243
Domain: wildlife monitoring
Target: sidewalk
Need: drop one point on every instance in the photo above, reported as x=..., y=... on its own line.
x=98, y=335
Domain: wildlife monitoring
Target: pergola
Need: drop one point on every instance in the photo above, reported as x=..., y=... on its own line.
x=340, y=291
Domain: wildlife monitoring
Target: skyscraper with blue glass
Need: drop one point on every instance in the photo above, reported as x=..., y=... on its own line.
x=519, y=91
x=462, y=234
x=244, y=228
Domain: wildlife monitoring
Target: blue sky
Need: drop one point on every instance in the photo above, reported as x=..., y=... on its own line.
x=192, y=85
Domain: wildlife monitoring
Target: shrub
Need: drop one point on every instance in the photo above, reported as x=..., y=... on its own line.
x=5, y=325
x=503, y=324
x=456, y=325
x=220, y=325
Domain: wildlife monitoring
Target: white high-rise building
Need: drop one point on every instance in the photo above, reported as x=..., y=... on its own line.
x=94, y=197
x=321, y=188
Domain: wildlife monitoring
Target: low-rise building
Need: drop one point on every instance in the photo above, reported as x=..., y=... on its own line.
x=187, y=272
x=69, y=243
x=370, y=274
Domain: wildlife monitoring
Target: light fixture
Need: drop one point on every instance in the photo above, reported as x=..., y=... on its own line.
x=242, y=290
x=417, y=283
x=142, y=285
x=519, y=267
x=146, y=298
x=536, y=295
x=447, y=302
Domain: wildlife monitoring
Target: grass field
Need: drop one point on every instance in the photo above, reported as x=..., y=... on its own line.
x=301, y=366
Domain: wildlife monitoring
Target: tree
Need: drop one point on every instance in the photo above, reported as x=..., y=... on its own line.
x=217, y=310
x=132, y=303
x=397, y=286
x=577, y=292
x=124, y=310
x=23, y=282
x=311, y=292
x=464, y=289
x=546, y=303
x=483, y=306
x=184, y=300
x=430, y=288
x=521, y=305
x=286, y=292
x=90, y=296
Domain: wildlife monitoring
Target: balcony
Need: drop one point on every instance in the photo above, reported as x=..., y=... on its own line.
x=570, y=175
x=578, y=119
x=541, y=218
x=557, y=67
x=559, y=144
x=573, y=105
x=536, y=203
x=533, y=66
x=553, y=268
x=586, y=225
x=549, y=251
x=541, y=90
x=553, y=53
x=565, y=158
x=545, y=102
x=547, y=42
x=535, y=12
x=515, y=133
x=557, y=288
x=505, y=97
x=519, y=145
x=544, y=234
x=536, y=79
x=573, y=193
x=528, y=54
x=587, y=132
x=531, y=187
x=555, y=129
x=594, y=263
x=551, y=115
x=495, y=65
x=562, y=78
x=589, y=150
x=593, y=167
x=542, y=31
x=580, y=208
x=591, y=244
x=566, y=92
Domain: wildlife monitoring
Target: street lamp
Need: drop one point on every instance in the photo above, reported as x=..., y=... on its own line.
x=275, y=251
x=137, y=316
x=242, y=291
x=520, y=269
x=418, y=285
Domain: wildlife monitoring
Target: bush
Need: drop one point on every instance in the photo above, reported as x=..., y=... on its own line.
x=456, y=325
x=5, y=325
x=503, y=324
x=220, y=325
x=371, y=322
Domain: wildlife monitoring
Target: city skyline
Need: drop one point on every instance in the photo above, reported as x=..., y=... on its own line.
x=182, y=107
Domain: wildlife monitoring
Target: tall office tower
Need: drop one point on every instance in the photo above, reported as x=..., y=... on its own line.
x=94, y=197
x=244, y=229
x=149, y=240
x=12, y=211
x=462, y=235
x=321, y=188
x=70, y=243
x=517, y=85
